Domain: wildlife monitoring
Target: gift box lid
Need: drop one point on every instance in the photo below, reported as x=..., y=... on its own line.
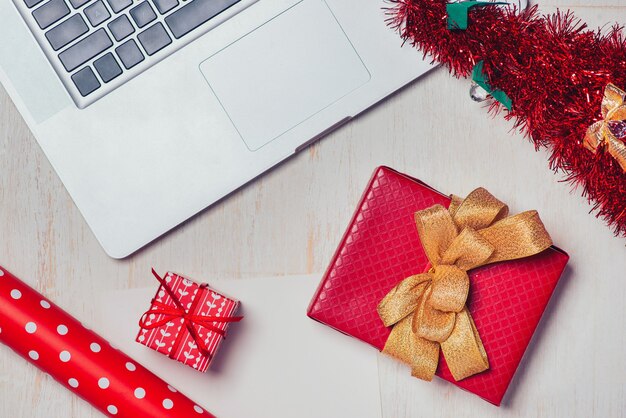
x=381, y=247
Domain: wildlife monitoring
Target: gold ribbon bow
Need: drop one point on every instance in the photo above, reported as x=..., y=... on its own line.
x=428, y=310
x=599, y=134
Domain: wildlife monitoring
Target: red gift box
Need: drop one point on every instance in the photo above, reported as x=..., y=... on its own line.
x=381, y=247
x=187, y=321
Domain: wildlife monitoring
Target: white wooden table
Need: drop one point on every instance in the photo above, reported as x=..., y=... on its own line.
x=290, y=221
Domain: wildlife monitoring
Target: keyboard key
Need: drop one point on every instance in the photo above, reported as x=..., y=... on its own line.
x=50, y=13
x=107, y=67
x=66, y=32
x=32, y=3
x=143, y=14
x=194, y=14
x=154, y=39
x=164, y=6
x=76, y=4
x=97, y=13
x=121, y=28
x=86, y=81
x=129, y=54
x=86, y=49
x=119, y=5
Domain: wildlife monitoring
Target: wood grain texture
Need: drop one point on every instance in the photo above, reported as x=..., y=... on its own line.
x=290, y=221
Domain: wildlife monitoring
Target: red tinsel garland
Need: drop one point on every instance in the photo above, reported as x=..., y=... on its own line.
x=553, y=68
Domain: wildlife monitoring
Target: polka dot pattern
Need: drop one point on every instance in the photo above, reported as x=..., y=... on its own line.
x=103, y=383
x=65, y=356
x=69, y=355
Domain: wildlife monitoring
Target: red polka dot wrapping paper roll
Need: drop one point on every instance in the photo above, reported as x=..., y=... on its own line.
x=81, y=360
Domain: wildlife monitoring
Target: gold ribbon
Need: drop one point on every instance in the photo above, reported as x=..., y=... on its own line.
x=427, y=311
x=599, y=134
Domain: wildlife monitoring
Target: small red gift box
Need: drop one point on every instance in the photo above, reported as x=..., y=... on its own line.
x=381, y=247
x=187, y=321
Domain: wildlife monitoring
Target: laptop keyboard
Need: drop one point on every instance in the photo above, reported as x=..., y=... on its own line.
x=98, y=41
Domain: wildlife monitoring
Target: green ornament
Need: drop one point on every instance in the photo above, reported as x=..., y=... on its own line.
x=458, y=12
x=478, y=76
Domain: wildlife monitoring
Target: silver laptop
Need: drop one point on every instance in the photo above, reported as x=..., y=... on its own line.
x=152, y=110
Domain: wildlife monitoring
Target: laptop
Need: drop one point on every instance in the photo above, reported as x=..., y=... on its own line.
x=152, y=110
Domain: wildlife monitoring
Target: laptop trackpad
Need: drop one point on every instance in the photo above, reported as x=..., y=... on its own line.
x=284, y=72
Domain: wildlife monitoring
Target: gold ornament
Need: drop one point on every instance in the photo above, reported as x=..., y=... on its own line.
x=599, y=134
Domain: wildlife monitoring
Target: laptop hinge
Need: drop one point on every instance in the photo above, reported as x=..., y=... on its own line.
x=324, y=133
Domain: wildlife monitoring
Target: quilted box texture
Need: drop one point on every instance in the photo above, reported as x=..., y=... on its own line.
x=381, y=247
